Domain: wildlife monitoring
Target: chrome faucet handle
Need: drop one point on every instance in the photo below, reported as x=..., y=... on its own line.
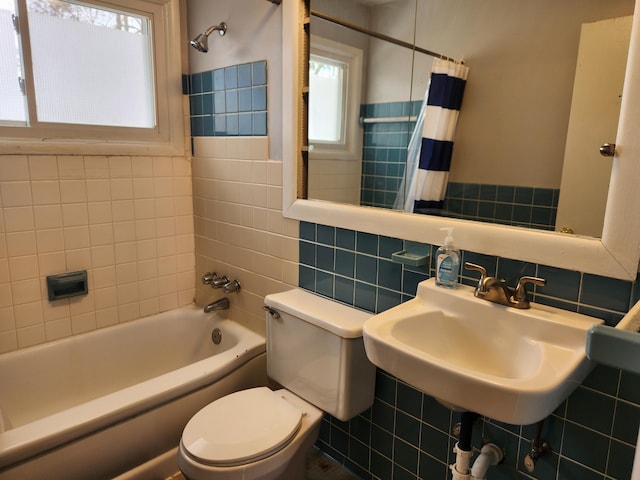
x=483, y=274
x=209, y=277
x=219, y=282
x=520, y=295
x=213, y=279
x=232, y=286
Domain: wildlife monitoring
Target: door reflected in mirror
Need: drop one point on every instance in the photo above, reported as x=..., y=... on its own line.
x=521, y=126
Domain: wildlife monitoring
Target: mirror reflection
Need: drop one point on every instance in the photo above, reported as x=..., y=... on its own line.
x=543, y=93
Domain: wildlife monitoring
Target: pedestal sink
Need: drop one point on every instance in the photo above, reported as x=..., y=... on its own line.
x=512, y=365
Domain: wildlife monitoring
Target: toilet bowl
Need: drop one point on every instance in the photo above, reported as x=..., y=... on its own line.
x=249, y=435
x=316, y=352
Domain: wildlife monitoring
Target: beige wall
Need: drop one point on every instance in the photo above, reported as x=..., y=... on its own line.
x=126, y=220
x=239, y=228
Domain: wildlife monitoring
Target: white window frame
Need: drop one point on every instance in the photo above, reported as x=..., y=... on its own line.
x=166, y=138
x=351, y=146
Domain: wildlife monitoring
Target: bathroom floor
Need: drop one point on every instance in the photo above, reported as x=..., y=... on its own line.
x=322, y=467
x=319, y=467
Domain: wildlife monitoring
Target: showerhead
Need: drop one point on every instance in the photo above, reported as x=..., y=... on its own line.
x=201, y=42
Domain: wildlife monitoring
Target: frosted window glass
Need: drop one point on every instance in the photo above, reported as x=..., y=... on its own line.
x=326, y=105
x=12, y=101
x=89, y=72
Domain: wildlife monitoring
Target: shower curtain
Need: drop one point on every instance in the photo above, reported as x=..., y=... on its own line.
x=431, y=144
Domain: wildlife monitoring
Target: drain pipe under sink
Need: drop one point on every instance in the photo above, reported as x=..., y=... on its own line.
x=490, y=454
x=463, y=451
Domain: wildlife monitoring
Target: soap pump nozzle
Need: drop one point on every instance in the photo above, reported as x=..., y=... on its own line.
x=448, y=241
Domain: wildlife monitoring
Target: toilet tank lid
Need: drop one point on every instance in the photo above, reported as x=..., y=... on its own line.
x=342, y=320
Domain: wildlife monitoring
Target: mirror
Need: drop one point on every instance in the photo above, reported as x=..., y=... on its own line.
x=519, y=96
x=615, y=255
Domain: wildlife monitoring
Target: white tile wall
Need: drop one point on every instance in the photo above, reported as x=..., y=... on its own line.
x=239, y=228
x=127, y=220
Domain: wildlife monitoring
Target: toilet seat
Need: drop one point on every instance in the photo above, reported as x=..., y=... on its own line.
x=241, y=427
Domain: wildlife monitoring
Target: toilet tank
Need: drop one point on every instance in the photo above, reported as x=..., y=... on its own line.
x=315, y=350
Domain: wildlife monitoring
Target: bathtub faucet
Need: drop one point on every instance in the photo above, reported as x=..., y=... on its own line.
x=220, y=304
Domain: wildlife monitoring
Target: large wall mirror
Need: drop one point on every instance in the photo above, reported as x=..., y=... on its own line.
x=523, y=118
x=536, y=108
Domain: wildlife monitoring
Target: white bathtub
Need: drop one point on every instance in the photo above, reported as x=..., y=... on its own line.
x=98, y=404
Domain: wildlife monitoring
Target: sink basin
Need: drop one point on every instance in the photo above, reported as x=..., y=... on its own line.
x=515, y=366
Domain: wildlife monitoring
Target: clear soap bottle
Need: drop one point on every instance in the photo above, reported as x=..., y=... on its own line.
x=447, y=262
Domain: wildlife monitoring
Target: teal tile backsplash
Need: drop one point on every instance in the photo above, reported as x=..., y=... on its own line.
x=409, y=435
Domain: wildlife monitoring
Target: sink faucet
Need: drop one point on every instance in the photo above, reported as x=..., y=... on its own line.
x=496, y=290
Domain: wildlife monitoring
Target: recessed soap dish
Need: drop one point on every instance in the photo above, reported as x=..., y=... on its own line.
x=414, y=255
x=66, y=285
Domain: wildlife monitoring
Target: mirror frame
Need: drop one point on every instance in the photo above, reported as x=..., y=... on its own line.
x=614, y=255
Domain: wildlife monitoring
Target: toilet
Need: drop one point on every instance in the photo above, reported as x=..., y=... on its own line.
x=316, y=353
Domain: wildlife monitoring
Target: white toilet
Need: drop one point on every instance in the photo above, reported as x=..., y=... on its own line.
x=315, y=351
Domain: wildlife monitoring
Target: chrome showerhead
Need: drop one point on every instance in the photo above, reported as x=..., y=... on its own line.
x=201, y=42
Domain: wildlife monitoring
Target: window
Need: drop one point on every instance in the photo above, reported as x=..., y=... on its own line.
x=327, y=103
x=335, y=72
x=77, y=71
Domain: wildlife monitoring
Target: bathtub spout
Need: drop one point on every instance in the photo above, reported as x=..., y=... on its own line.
x=220, y=304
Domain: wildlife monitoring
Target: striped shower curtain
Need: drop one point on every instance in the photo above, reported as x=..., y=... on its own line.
x=430, y=158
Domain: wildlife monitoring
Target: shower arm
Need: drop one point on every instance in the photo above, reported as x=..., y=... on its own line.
x=222, y=28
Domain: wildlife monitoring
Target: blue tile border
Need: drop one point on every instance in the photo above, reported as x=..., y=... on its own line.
x=230, y=101
x=506, y=204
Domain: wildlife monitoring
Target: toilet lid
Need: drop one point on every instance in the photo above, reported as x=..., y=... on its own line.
x=241, y=427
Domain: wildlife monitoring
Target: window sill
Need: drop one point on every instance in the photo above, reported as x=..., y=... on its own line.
x=21, y=146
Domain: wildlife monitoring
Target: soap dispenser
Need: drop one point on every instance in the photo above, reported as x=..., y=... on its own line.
x=447, y=262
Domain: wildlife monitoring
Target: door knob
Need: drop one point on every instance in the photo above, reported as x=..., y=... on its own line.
x=608, y=149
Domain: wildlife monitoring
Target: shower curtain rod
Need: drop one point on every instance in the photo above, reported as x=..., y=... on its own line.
x=381, y=36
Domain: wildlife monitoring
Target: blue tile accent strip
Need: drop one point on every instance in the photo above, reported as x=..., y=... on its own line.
x=407, y=434
x=510, y=205
x=229, y=101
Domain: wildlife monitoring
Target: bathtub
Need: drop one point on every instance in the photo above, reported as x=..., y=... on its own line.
x=99, y=404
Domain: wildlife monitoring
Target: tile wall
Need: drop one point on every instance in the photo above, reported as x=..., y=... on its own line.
x=384, y=152
x=239, y=228
x=230, y=101
x=408, y=435
x=506, y=204
x=127, y=220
